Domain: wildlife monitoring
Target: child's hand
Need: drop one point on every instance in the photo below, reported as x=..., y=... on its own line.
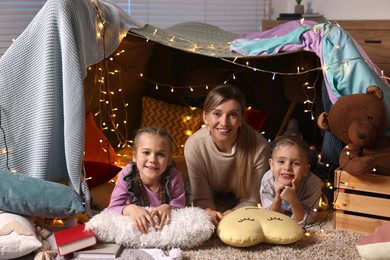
x=141, y=218
x=279, y=187
x=216, y=216
x=289, y=194
x=163, y=213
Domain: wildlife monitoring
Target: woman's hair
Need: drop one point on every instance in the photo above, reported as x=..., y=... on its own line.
x=158, y=131
x=246, y=141
x=291, y=140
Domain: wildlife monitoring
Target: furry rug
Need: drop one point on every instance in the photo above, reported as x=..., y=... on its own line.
x=323, y=242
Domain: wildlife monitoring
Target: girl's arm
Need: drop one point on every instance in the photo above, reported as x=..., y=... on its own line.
x=176, y=185
x=120, y=196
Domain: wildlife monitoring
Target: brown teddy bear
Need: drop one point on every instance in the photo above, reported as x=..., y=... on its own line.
x=359, y=121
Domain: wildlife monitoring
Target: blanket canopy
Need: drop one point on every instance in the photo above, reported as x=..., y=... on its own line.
x=85, y=56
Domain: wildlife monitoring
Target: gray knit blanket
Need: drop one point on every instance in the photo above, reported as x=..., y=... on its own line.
x=42, y=114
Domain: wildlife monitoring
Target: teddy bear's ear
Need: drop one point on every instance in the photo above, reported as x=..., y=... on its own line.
x=376, y=91
x=322, y=122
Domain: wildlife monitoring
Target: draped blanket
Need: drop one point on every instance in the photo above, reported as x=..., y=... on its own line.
x=346, y=67
x=42, y=114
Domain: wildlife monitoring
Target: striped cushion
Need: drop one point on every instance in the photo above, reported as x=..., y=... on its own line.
x=179, y=121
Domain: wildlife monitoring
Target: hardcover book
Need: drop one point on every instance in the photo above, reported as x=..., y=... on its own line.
x=100, y=250
x=74, y=239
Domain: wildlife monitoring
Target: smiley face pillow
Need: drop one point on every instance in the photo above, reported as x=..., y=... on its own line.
x=250, y=226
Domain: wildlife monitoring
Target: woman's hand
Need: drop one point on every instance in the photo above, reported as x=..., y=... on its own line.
x=163, y=213
x=216, y=216
x=141, y=218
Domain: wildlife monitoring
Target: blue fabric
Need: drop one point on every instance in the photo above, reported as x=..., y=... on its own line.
x=347, y=68
x=331, y=145
x=30, y=196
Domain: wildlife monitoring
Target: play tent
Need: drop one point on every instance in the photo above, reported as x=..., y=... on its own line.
x=89, y=56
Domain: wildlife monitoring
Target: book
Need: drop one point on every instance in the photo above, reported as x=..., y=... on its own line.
x=313, y=15
x=100, y=250
x=74, y=239
x=296, y=16
x=291, y=15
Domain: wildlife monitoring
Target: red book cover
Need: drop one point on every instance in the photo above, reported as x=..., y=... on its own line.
x=74, y=239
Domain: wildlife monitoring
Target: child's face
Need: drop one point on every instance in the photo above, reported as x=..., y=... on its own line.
x=152, y=157
x=288, y=164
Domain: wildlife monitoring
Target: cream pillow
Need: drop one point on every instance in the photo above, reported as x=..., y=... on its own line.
x=189, y=227
x=250, y=226
x=17, y=236
x=376, y=245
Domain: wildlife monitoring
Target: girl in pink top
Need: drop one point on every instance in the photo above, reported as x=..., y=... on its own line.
x=149, y=180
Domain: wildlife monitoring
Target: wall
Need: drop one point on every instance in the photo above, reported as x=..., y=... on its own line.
x=337, y=9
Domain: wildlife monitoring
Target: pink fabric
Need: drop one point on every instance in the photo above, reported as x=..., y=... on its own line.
x=120, y=196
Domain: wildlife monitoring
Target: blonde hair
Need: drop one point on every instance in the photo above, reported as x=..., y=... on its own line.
x=292, y=140
x=246, y=140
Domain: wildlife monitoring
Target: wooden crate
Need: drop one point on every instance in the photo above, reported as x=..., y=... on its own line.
x=361, y=203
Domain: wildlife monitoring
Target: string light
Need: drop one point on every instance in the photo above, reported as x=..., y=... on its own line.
x=241, y=63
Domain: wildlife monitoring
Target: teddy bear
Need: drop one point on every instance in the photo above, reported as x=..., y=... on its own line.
x=359, y=121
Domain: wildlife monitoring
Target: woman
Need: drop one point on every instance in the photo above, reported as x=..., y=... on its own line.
x=227, y=155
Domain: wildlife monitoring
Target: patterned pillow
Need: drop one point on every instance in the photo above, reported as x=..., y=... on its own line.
x=179, y=121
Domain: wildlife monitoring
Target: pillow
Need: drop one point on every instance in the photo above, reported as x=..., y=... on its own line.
x=97, y=148
x=98, y=173
x=17, y=236
x=101, y=195
x=30, y=196
x=189, y=227
x=250, y=226
x=256, y=118
x=376, y=245
x=179, y=121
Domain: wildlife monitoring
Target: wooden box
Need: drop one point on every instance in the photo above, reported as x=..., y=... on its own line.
x=361, y=203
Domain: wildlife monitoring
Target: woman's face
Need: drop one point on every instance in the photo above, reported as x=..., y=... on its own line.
x=224, y=121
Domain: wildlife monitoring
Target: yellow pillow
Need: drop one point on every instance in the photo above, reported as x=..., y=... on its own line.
x=179, y=121
x=250, y=226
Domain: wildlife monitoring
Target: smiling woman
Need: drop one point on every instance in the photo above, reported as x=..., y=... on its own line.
x=227, y=155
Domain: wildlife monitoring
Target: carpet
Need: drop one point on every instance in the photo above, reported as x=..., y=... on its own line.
x=322, y=242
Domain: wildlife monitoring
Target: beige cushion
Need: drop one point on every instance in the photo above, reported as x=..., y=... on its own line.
x=249, y=226
x=17, y=236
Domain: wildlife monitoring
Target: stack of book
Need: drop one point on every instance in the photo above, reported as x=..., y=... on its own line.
x=295, y=16
x=83, y=243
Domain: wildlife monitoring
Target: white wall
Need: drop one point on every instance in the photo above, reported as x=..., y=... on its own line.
x=337, y=9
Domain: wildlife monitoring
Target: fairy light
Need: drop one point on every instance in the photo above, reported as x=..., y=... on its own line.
x=242, y=63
